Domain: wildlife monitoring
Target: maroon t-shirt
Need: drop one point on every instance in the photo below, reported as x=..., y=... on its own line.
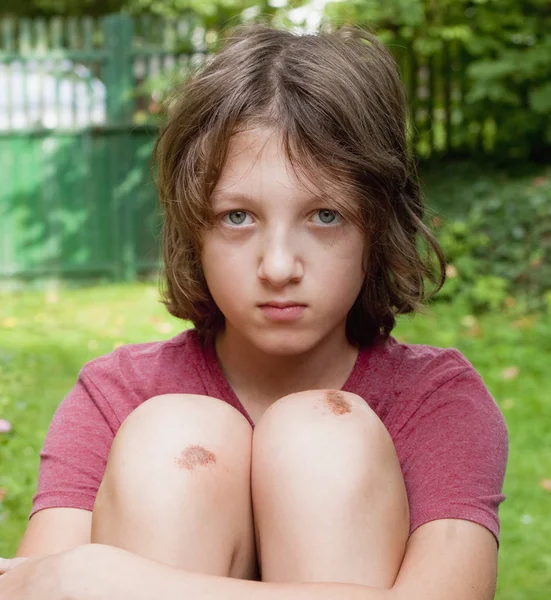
x=449, y=434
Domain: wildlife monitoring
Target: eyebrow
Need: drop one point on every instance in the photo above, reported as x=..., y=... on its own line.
x=242, y=197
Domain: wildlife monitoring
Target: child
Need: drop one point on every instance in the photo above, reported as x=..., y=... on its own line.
x=288, y=446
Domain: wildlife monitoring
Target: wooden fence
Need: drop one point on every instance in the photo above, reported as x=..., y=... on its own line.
x=77, y=125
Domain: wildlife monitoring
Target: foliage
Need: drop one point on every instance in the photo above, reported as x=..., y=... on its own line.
x=45, y=8
x=499, y=54
x=506, y=45
x=495, y=229
x=213, y=13
x=45, y=338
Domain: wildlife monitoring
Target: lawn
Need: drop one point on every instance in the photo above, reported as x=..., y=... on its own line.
x=46, y=337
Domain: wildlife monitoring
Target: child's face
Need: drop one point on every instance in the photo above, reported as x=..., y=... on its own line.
x=273, y=243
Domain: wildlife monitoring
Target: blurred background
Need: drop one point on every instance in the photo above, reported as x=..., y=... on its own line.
x=81, y=89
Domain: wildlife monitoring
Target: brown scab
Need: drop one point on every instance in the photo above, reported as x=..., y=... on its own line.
x=195, y=456
x=337, y=402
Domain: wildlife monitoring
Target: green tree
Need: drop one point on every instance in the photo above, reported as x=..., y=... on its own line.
x=507, y=50
x=45, y=8
x=212, y=12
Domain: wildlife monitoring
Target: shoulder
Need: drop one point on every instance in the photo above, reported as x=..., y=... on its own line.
x=135, y=372
x=439, y=391
x=132, y=355
x=391, y=368
x=431, y=374
x=430, y=367
x=421, y=359
x=406, y=383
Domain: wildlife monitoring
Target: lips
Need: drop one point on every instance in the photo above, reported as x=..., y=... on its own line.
x=282, y=311
x=282, y=304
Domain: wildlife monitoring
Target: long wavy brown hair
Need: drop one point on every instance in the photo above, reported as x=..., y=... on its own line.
x=337, y=102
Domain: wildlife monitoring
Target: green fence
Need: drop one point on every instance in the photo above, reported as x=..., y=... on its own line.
x=77, y=198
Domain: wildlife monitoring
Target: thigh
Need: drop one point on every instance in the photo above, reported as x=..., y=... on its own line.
x=328, y=494
x=177, y=486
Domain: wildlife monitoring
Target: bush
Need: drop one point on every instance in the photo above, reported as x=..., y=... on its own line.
x=496, y=234
x=502, y=52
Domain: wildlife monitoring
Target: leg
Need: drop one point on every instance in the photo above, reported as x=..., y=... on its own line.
x=329, y=498
x=177, y=487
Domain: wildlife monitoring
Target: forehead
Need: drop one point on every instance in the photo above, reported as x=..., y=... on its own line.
x=256, y=158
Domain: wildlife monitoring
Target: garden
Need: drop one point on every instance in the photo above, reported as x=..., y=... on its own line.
x=477, y=77
x=46, y=336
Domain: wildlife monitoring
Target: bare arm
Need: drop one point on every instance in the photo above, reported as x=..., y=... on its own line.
x=445, y=560
x=54, y=530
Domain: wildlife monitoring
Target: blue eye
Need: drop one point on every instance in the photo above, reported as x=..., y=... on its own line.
x=327, y=216
x=235, y=217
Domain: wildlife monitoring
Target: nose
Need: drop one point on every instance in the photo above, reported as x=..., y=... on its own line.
x=279, y=261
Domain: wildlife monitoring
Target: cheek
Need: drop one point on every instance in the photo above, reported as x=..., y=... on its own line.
x=222, y=270
x=351, y=275
x=344, y=260
x=211, y=265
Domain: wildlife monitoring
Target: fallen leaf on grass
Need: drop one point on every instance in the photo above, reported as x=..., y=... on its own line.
x=510, y=302
x=475, y=331
x=164, y=327
x=546, y=484
x=525, y=322
x=509, y=373
x=469, y=321
x=51, y=297
x=9, y=322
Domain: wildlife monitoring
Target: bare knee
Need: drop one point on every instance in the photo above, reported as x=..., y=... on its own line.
x=174, y=461
x=325, y=474
x=179, y=433
x=337, y=430
x=170, y=419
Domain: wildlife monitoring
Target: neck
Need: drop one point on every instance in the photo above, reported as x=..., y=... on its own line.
x=267, y=377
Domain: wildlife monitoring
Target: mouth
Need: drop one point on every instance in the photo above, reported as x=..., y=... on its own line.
x=282, y=304
x=282, y=311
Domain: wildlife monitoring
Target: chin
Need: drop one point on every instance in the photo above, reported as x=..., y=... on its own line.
x=285, y=343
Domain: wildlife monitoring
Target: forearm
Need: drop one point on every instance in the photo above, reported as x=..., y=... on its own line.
x=186, y=585
x=137, y=578
x=180, y=585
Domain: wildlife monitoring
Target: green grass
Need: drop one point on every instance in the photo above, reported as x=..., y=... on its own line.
x=46, y=338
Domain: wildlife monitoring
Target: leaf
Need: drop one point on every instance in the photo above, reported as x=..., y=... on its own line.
x=540, y=99
x=509, y=373
x=164, y=327
x=451, y=271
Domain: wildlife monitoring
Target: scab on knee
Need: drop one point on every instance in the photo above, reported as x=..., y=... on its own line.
x=336, y=402
x=195, y=456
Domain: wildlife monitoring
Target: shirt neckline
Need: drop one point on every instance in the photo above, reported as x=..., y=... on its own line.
x=226, y=391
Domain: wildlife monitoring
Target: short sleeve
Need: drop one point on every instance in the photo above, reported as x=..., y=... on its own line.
x=453, y=450
x=74, y=454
